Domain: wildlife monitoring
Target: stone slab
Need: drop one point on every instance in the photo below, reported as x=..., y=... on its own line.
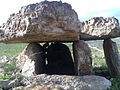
x=41, y=22
x=98, y=28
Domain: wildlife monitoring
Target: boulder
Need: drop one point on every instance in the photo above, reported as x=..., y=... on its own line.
x=112, y=57
x=98, y=28
x=31, y=60
x=40, y=22
x=8, y=84
x=63, y=82
x=82, y=58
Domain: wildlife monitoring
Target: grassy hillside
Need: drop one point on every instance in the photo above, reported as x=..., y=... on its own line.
x=11, y=49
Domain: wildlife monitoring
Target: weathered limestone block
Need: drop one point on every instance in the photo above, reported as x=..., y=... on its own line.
x=82, y=58
x=100, y=28
x=63, y=82
x=44, y=21
x=31, y=60
x=112, y=57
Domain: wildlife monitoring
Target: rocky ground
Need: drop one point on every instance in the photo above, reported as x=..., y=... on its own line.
x=57, y=82
x=52, y=82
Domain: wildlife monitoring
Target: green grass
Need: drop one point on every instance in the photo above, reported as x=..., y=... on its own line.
x=10, y=67
x=98, y=59
x=100, y=64
x=4, y=77
x=115, y=84
x=11, y=49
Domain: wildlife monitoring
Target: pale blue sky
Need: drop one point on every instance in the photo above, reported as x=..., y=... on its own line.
x=85, y=8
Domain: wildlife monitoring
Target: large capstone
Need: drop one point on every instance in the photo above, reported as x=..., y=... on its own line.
x=44, y=21
x=99, y=28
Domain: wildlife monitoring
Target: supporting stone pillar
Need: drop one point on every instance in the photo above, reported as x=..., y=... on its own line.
x=112, y=57
x=82, y=58
x=31, y=60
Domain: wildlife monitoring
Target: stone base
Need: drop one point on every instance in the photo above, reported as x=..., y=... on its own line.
x=63, y=82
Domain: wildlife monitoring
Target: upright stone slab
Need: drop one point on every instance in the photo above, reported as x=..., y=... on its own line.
x=82, y=58
x=31, y=60
x=112, y=57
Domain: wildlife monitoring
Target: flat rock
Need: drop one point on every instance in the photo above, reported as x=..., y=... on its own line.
x=63, y=82
x=40, y=22
x=98, y=28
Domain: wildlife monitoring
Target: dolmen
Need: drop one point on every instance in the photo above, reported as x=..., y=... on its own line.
x=46, y=26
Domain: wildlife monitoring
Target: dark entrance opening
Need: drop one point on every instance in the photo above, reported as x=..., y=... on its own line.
x=59, y=59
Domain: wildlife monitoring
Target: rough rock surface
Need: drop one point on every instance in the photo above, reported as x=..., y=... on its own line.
x=100, y=28
x=45, y=21
x=31, y=60
x=82, y=58
x=112, y=57
x=57, y=82
x=7, y=84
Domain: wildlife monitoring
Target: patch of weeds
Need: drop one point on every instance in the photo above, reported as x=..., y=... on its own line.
x=103, y=67
x=10, y=67
x=5, y=77
x=115, y=84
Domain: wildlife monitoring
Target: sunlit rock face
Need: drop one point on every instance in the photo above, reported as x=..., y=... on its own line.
x=31, y=60
x=100, y=28
x=44, y=21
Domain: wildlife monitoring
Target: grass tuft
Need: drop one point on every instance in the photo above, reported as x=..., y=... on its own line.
x=115, y=84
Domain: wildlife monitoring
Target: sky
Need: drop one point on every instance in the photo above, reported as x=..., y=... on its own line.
x=85, y=9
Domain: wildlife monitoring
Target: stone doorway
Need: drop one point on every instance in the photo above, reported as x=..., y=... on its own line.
x=59, y=59
x=56, y=58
